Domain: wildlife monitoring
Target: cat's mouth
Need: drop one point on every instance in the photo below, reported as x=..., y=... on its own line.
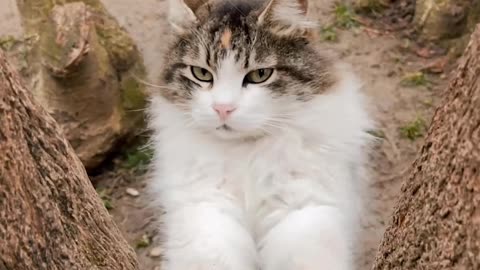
x=229, y=133
x=225, y=127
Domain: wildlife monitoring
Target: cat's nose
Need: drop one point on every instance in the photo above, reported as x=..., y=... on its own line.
x=224, y=110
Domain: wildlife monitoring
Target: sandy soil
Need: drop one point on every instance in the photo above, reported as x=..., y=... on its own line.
x=381, y=59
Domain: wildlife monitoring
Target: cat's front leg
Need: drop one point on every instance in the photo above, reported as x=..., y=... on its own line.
x=205, y=236
x=311, y=238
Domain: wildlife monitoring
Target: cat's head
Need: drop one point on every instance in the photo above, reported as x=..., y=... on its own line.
x=242, y=68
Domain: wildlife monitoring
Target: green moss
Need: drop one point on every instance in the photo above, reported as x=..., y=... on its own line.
x=415, y=79
x=35, y=13
x=344, y=16
x=414, y=129
x=52, y=53
x=133, y=94
x=120, y=47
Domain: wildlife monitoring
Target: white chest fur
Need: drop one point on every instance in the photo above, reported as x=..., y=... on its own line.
x=252, y=178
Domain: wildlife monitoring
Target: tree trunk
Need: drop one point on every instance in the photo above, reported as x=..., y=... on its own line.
x=436, y=224
x=440, y=19
x=82, y=67
x=50, y=215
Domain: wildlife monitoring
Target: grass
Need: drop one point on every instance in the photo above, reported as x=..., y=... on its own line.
x=138, y=157
x=377, y=133
x=106, y=199
x=414, y=129
x=329, y=33
x=415, y=79
x=344, y=16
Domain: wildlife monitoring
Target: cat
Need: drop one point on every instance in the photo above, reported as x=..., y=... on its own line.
x=260, y=141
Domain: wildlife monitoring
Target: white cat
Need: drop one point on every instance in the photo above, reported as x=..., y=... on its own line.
x=260, y=142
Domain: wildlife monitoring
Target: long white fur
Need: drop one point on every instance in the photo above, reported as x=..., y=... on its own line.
x=288, y=15
x=285, y=193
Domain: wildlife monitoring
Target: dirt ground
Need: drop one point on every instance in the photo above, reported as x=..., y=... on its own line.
x=401, y=103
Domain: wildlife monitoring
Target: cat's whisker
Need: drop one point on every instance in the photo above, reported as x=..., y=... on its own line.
x=155, y=85
x=276, y=127
x=142, y=81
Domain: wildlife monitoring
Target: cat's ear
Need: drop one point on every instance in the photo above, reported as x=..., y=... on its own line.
x=287, y=17
x=182, y=13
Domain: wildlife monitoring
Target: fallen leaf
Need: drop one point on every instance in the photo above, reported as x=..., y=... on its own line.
x=437, y=66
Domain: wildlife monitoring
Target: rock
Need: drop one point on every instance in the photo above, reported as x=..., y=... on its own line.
x=87, y=76
x=156, y=252
x=132, y=192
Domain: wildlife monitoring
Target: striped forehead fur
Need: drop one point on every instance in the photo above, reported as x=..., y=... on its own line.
x=235, y=27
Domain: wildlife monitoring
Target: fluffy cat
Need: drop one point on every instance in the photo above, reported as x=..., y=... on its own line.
x=260, y=141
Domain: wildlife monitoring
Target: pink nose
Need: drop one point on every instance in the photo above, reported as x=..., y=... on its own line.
x=224, y=110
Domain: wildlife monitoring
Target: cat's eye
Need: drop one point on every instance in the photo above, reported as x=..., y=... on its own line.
x=259, y=75
x=202, y=74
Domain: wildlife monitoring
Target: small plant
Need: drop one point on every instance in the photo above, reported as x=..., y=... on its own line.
x=143, y=242
x=329, y=33
x=344, y=16
x=106, y=199
x=414, y=129
x=138, y=157
x=414, y=79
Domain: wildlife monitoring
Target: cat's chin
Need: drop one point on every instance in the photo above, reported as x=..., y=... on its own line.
x=228, y=133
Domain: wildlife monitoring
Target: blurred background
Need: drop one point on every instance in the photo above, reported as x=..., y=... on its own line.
x=403, y=50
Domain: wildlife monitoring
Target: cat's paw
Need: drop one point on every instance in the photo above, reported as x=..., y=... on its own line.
x=207, y=264
x=320, y=263
x=325, y=265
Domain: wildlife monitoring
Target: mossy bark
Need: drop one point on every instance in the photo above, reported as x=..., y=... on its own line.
x=443, y=19
x=50, y=215
x=82, y=69
x=436, y=223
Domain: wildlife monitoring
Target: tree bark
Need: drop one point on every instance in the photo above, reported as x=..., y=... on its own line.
x=50, y=215
x=440, y=19
x=82, y=67
x=436, y=223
